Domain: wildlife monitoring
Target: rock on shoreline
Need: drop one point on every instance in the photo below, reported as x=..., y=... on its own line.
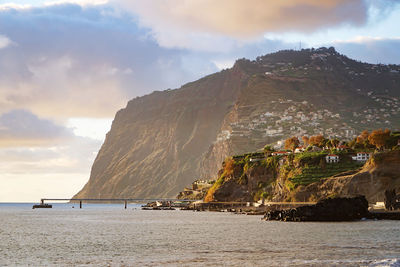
x=328, y=210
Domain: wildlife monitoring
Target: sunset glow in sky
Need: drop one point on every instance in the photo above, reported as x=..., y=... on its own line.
x=66, y=67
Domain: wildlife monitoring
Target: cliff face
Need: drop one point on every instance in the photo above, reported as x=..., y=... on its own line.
x=155, y=143
x=163, y=141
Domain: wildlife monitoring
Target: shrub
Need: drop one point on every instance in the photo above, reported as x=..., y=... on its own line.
x=289, y=185
x=243, y=179
x=261, y=194
x=210, y=193
x=229, y=166
x=261, y=184
x=310, y=158
x=265, y=195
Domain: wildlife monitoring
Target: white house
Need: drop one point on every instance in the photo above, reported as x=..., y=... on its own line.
x=299, y=149
x=361, y=156
x=332, y=158
x=280, y=153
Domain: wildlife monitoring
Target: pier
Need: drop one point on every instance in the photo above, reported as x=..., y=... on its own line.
x=105, y=200
x=196, y=206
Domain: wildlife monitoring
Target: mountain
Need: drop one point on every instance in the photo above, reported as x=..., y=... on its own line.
x=163, y=141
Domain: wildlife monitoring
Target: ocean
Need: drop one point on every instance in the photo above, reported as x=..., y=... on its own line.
x=109, y=235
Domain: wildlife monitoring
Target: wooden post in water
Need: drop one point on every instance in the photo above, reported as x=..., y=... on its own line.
x=126, y=204
x=80, y=204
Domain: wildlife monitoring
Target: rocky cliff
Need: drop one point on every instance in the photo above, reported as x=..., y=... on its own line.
x=379, y=174
x=155, y=144
x=163, y=141
x=279, y=178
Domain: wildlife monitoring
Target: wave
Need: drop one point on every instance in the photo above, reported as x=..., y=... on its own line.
x=385, y=263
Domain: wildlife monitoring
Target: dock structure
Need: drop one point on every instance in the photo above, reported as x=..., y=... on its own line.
x=196, y=206
x=107, y=200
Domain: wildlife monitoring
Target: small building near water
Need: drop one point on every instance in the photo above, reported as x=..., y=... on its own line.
x=280, y=153
x=300, y=149
x=332, y=158
x=361, y=156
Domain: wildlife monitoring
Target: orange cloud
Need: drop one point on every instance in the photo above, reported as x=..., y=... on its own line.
x=244, y=19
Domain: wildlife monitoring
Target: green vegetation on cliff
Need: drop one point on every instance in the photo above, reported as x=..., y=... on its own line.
x=312, y=174
x=310, y=167
x=238, y=173
x=276, y=175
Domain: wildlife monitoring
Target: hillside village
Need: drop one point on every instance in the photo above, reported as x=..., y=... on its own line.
x=281, y=117
x=289, y=116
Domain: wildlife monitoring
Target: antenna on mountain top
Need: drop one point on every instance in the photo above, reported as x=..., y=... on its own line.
x=300, y=46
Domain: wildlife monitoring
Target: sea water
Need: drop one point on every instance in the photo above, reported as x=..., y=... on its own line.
x=109, y=235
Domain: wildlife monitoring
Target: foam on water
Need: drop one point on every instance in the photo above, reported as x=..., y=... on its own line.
x=386, y=263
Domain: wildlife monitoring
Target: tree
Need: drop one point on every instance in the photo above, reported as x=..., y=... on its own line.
x=363, y=137
x=328, y=143
x=292, y=143
x=379, y=137
x=392, y=141
x=334, y=142
x=305, y=140
x=364, y=134
x=317, y=140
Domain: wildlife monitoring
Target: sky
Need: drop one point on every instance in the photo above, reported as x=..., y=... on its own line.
x=67, y=66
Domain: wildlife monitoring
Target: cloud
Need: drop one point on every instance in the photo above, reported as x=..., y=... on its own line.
x=88, y=61
x=4, y=42
x=31, y=187
x=371, y=49
x=29, y=144
x=29, y=4
x=72, y=156
x=366, y=39
x=77, y=2
x=30, y=173
x=22, y=128
x=37, y=156
x=74, y=61
x=8, y=6
x=172, y=20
